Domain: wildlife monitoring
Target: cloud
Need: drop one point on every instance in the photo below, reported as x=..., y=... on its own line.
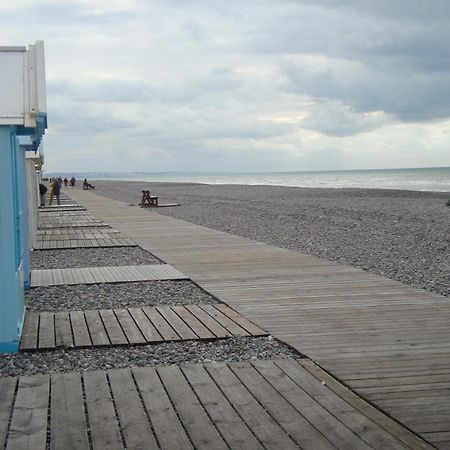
x=266, y=85
x=407, y=96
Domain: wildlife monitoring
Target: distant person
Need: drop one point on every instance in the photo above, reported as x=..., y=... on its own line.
x=66, y=181
x=72, y=181
x=42, y=193
x=55, y=191
x=87, y=185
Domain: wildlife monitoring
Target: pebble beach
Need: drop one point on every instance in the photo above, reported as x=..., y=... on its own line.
x=403, y=235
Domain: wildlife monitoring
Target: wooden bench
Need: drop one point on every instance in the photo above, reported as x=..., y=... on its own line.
x=148, y=200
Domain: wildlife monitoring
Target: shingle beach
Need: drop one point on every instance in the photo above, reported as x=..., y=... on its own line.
x=404, y=235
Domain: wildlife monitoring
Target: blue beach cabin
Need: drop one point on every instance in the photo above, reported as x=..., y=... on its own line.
x=23, y=112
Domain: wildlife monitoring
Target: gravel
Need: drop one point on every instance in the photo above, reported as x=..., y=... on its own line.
x=232, y=349
x=91, y=257
x=403, y=235
x=115, y=295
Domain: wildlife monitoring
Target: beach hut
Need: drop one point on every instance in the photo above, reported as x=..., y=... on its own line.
x=23, y=112
x=34, y=162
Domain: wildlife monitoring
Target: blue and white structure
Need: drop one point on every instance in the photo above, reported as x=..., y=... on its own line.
x=23, y=112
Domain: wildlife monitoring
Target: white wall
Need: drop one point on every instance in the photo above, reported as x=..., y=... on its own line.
x=33, y=199
x=22, y=85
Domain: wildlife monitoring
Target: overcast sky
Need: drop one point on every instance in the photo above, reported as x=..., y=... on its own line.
x=267, y=85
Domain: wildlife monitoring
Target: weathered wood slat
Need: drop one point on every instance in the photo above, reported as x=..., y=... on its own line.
x=232, y=327
x=97, y=331
x=354, y=401
x=63, y=330
x=200, y=428
x=28, y=428
x=113, y=328
x=199, y=329
x=7, y=391
x=104, y=428
x=145, y=326
x=168, y=429
x=129, y=327
x=80, y=330
x=250, y=327
x=30, y=331
x=164, y=329
x=268, y=432
x=69, y=428
x=177, y=324
x=46, y=330
x=232, y=428
x=133, y=420
x=308, y=412
x=208, y=321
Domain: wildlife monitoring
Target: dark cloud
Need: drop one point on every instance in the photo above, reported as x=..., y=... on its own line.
x=388, y=56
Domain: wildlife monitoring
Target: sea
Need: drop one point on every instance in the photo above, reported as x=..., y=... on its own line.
x=419, y=179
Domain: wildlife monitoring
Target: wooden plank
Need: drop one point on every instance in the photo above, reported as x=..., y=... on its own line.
x=56, y=277
x=129, y=327
x=78, y=275
x=225, y=321
x=133, y=420
x=63, y=330
x=105, y=275
x=263, y=426
x=113, y=328
x=7, y=391
x=383, y=421
x=80, y=331
x=199, y=329
x=149, y=332
x=234, y=431
x=28, y=428
x=294, y=421
x=30, y=331
x=306, y=404
x=164, y=329
x=250, y=327
x=103, y=423
x=177, y=324
x=46, y=330
x=196, y=422
x=208, y=321
x=97, y=331
x=167, y=427
x=68, y=421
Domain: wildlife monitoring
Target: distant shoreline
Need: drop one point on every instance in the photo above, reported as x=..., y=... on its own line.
x=427, y=179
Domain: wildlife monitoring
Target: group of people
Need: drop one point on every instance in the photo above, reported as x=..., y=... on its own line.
x=55, y=189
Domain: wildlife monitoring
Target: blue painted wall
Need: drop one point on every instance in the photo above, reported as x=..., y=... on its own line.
x=13, y=239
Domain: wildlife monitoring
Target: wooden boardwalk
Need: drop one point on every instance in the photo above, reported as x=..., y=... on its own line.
x=65, y=207
x=112, y=274
x=388, y=341
x=132, y=326
x=261, y=405
x=62, y=238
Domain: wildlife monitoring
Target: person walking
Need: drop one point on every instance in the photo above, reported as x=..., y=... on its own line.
x=65, y=181
x=55, y=191
x=42, y=193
